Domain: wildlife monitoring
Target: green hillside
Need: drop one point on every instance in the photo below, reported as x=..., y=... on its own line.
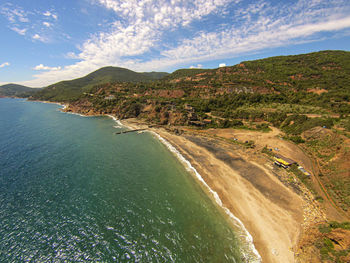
x=72, y=89
x=185, y=73
x=322, y=70
x=155, y=75
x=328, y=70
x=319, y=79
x=15, y=90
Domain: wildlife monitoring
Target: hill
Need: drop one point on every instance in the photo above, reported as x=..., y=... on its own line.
x=155, y=75
x=327, y=70
x=185, y=73
x=320, y=79
x=72, y=89
x=297, y=78
x=10, y=90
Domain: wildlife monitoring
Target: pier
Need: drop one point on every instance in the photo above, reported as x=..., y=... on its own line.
x=136, y=130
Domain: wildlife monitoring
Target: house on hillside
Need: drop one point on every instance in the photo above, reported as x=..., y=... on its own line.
x=192, y=116
x=304, y=171
x=283, y=161
x=188, y=108
x=207, y=121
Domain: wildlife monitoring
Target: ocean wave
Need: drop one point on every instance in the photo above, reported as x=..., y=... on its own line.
x=119, y=124
x=255, y=256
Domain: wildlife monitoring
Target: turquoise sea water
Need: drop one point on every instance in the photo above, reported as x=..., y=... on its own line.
x=70, y=189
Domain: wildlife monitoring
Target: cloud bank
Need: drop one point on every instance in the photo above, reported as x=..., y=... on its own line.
x=157, y=35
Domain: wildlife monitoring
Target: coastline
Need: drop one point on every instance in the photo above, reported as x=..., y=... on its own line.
x=245, y=237
x=269, y=211
x=246, y=188
x=249, y=251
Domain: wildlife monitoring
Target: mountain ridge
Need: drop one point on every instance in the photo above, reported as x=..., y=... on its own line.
x=109, y=74
x=11, y=89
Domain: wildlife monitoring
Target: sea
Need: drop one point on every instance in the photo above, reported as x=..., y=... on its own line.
x=71, y=190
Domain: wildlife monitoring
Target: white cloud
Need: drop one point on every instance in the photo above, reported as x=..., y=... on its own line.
x=14, y=14
x=47, y=24
x=19, y=30
x=164, y=13
x=50, y=14
x=39, y=38
x=42, y=67
x=198, y=66
x=230, y=43
x=5, y=64
x=221, y=65
x=251, y=28
x=29, y=23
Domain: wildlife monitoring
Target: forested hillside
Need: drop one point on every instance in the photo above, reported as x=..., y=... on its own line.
x=71, y=90
x=10, y=90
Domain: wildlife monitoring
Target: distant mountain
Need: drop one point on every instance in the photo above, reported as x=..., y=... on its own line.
x=72, y=89
x=15, y=90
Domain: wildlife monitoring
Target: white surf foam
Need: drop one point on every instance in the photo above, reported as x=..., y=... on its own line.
x=119, y=124
x=74, y=113
x=255, y=258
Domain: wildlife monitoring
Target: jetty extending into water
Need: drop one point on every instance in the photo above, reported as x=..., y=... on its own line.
x=136, y=130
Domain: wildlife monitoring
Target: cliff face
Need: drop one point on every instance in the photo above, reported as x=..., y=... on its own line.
x=151, y=112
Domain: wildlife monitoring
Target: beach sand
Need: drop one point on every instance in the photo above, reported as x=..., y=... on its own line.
x=248, y=186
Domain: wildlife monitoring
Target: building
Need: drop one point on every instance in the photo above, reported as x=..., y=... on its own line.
x=188, y=108
x=110, y=97
x=283, y=161
x=207, y=121
x=304, y=171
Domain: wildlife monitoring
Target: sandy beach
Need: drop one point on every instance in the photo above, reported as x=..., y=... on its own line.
x=249, y=187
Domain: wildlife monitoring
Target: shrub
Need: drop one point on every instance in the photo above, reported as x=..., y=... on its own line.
x=296, y=124
x=296, y=139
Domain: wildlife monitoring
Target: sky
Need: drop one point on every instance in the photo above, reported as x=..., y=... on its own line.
x=46, y=41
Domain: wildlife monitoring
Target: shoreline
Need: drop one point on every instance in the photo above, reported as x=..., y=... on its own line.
x=276, y=225
x=273, y=214
x=254, y=256
x=242, y=220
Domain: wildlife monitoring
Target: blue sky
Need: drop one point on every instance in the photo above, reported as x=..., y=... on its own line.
x=45, y=41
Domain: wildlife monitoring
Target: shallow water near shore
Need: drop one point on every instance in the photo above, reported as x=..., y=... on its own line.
x=70, y=189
